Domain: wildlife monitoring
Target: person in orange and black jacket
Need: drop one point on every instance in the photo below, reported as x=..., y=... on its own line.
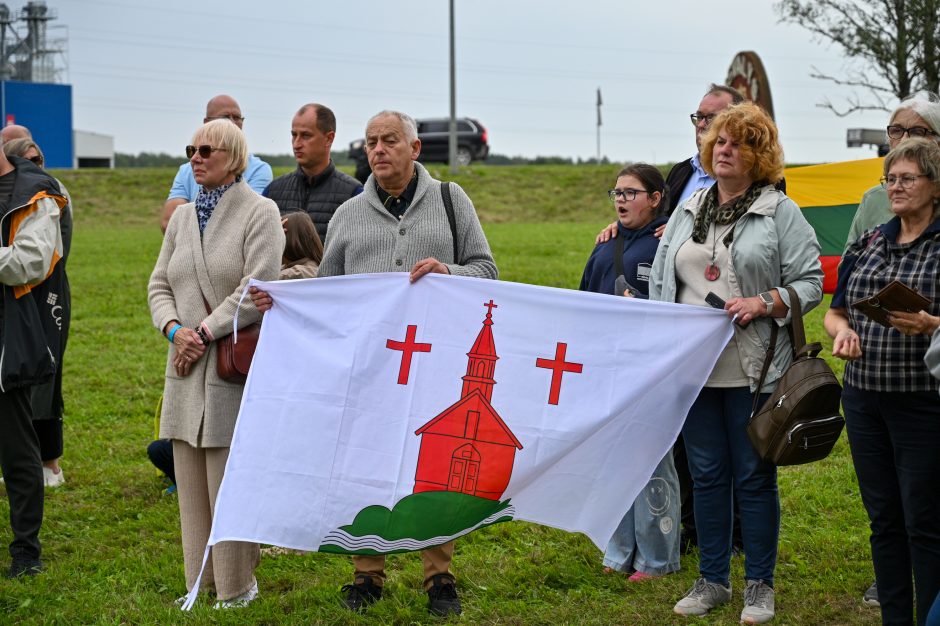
x=30, y=271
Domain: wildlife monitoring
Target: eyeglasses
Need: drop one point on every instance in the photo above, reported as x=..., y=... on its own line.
x=37, y=160
x=627, y=194
x=896, y=132
x=230, y=116
x=907, y=181
x=204, y=151
x=696, y=118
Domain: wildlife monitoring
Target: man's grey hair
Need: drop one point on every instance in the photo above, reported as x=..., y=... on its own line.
x=407, y=123
x=715, y=89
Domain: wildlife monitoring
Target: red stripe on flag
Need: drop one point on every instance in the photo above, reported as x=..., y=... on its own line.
x=830, y=266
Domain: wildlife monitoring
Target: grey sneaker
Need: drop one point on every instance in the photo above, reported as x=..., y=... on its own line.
x=758, y=603
x=871, y=596
x=702, y=598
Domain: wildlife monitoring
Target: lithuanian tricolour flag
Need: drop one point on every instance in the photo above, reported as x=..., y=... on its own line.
x=829, y=195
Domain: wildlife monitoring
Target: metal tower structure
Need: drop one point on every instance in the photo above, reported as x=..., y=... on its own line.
x=27, y=53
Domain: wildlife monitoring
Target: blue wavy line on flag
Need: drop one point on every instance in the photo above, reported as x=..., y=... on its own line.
x=374, y=543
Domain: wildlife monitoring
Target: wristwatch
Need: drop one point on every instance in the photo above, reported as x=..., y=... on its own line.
x=768, y=300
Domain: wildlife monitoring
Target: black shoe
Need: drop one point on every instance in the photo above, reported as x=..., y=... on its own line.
x=361, y=594
x=24, y=566
x=442, y=596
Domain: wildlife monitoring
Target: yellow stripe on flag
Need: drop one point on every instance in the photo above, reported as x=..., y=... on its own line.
x=833, y=184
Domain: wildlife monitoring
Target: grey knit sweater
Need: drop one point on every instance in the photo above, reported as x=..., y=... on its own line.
x=364, y=238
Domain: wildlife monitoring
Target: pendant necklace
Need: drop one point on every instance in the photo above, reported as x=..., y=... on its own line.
x=711, y=270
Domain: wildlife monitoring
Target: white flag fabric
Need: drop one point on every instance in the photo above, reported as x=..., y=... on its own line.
x=384, y=416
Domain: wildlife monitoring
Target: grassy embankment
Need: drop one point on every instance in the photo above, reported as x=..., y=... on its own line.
x=111, y=538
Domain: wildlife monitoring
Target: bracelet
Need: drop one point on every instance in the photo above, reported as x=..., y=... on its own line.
x=172, y=332
x=202, y=335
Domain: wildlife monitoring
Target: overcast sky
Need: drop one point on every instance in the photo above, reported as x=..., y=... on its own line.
x=142, y=71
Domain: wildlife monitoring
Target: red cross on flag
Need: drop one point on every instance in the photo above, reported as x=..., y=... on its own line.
x=386, y=416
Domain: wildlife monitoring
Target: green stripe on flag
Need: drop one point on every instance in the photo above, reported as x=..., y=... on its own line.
x=831, y=224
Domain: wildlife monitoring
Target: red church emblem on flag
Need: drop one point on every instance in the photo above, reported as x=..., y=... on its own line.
x=468, y=448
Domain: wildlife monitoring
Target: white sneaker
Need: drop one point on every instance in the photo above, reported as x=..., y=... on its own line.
x=51, y=479
x=239, y=601
x=758, y=603
x=702, y=598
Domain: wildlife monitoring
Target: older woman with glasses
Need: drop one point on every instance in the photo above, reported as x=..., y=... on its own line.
x=211, y=248
x=916, y=117
x=892, y=414
x=25, y=149
x=745, y=242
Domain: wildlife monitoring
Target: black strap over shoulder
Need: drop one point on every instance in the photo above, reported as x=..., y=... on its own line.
x=451, y=218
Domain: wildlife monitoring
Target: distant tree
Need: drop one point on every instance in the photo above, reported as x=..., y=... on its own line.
x=894, y=44
x=148, y=159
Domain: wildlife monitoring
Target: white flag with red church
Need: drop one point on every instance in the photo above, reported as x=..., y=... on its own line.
x=382, y=416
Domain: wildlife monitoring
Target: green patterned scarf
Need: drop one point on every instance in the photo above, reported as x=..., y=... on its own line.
x=724, y=214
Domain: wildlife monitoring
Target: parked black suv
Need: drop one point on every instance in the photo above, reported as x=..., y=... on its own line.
x=472, y=143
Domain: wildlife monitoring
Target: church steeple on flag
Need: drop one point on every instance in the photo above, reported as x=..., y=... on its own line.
x=481, y=361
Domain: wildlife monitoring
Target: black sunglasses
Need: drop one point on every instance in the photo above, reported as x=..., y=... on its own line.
x=204, y=151
x=37, y=160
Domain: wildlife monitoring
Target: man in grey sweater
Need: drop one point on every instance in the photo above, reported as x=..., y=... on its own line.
x=399, y=223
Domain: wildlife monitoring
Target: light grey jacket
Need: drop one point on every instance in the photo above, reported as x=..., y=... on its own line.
x=932, y=358
x=364, y=238
x=773, y=247
x=243, y=239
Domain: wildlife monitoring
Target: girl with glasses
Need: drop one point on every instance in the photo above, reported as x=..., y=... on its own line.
x=646, y=543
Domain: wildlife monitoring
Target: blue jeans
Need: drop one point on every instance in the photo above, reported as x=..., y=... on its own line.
x=647, y=538
x=724, y=464
x=895, y=441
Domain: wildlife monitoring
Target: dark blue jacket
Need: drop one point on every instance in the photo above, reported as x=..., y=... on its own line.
x=639, y=248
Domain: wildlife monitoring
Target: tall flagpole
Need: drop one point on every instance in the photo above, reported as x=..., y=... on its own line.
x=599, y=103
x=452, y=131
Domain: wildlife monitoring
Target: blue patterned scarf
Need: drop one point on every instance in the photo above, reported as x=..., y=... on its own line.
x=206, y=200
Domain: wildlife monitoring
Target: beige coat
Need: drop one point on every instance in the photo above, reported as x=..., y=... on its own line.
x=242, y=240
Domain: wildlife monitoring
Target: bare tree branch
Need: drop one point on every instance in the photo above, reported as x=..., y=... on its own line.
x=893, y=45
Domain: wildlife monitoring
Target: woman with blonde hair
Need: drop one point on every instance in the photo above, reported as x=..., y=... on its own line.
x=211, y=248
x=744, y=241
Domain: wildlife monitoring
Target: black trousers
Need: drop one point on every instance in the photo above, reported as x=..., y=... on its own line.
x=49, y=433
x=895, y=441
x=22, y=471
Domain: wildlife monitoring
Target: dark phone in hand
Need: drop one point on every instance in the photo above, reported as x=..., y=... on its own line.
x=715, y=300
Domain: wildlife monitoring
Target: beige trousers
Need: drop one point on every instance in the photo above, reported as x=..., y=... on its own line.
x=436, y=560
x=230, y=570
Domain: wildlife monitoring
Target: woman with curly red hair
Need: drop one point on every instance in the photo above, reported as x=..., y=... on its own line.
x=746, y=242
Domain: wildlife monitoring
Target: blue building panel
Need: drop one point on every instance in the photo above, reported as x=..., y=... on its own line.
x=46, y=109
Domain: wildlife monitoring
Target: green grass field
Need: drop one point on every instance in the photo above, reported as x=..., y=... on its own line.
x=111, y=538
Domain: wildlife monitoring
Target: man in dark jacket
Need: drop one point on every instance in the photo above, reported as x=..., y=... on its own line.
x=30, y=254
x=316, y=186
x=687, y=177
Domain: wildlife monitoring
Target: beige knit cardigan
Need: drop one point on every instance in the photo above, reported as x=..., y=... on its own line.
x=243, y=239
